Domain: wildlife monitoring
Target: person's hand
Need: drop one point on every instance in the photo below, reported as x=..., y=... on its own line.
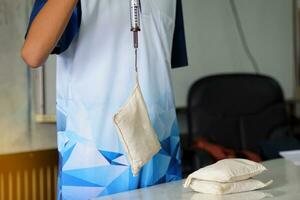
x=218, y=152
x=251, y=156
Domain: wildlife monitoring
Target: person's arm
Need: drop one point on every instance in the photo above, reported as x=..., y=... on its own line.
x=46, y=30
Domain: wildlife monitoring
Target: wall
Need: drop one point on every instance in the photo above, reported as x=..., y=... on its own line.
x=17, y=133
x=214, y=45
x=13, y=80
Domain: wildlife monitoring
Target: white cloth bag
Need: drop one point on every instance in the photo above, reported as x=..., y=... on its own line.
x=226, y=177
x=227, y=170
x=217, y=188
x=253, y=195
x=135, y=130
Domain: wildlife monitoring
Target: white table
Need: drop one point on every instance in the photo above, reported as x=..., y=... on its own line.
x=286, y=186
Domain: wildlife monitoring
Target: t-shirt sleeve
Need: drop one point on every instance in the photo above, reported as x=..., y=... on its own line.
x=179, y=50
x=71, y=30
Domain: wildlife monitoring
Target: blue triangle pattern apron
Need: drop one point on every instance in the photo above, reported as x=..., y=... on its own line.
x=95, y=77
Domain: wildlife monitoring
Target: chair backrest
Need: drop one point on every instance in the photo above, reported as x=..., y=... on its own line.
x=236, y=110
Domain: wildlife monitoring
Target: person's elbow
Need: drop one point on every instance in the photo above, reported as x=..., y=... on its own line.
x=32, y=58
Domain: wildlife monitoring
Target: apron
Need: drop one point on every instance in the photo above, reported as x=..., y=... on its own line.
x=95, y=77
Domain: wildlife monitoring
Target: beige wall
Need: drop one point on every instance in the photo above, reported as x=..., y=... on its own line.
x=15, y=134
x=214, y=45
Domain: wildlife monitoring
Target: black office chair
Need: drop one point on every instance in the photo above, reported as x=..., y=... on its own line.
x=237, y=111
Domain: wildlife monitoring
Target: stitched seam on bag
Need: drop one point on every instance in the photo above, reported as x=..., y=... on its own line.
x=129, y=154
x=121, y=133
x=246, y=175
x=121, y=109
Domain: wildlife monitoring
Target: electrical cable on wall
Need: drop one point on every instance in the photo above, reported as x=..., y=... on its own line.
x=242, y=36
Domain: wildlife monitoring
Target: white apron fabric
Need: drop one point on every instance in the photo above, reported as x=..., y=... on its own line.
x=95, y=77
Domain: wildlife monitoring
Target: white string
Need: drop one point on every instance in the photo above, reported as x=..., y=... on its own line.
x=135, y=60
x=136, y=65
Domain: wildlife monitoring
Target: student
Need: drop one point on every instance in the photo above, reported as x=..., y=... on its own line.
x=95, y=77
